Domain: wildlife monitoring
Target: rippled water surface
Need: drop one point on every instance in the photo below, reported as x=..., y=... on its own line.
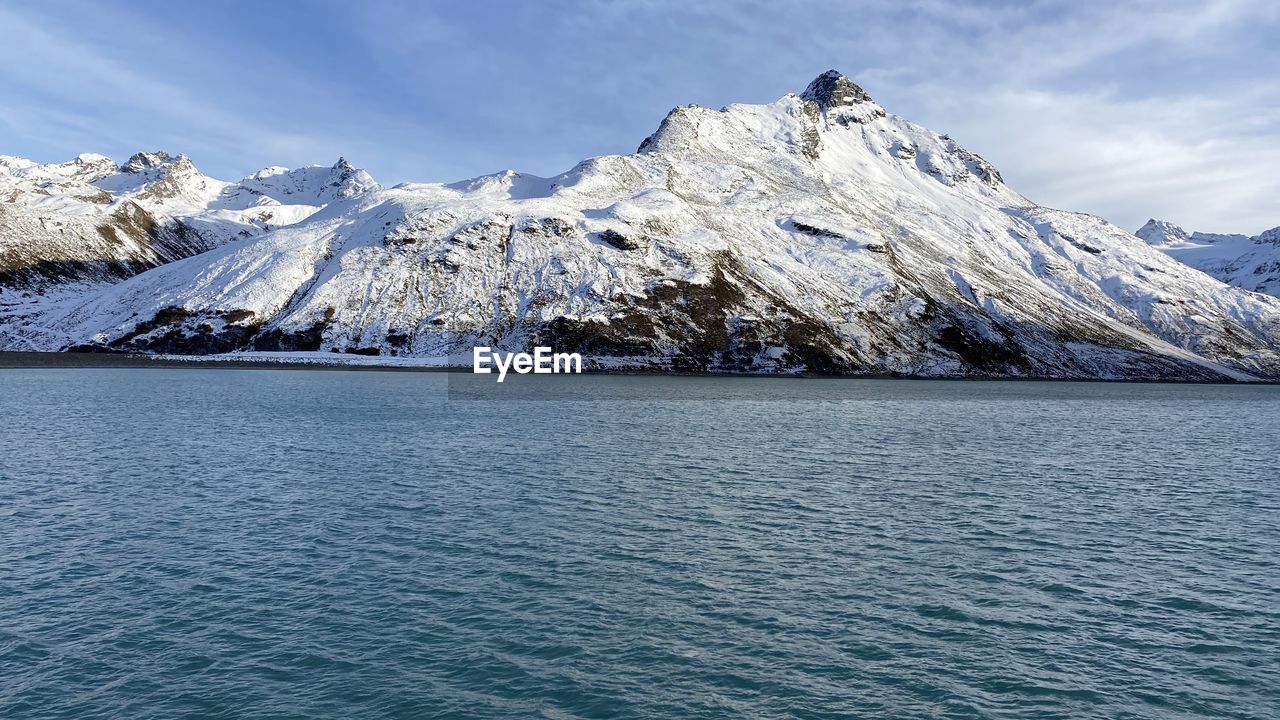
x=251, y=543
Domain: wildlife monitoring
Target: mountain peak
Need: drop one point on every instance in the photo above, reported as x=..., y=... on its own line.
x=144, y=161
x=311, y=185
x=350, y=180
x=91, y=159
x=1162, y=233
x=833, y=89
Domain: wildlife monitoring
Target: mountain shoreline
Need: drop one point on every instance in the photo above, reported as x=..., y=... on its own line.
x=18, y=360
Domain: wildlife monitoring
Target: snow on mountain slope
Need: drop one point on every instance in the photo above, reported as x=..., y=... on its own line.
x=89, y=220
x=1252, y=263
x=817, y=233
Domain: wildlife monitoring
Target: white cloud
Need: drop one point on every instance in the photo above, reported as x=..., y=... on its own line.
x=1083, y=109
x=1190, y=160
x=69, y=94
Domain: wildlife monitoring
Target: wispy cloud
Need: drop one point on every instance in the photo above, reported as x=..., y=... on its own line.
x=118, y=82
x=1126, y=110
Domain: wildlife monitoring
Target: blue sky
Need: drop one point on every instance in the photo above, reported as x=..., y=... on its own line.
x=1124, y=109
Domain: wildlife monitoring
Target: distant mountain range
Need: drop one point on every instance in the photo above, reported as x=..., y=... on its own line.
x=818, y=233
x=1252, y=263
x=89, y=220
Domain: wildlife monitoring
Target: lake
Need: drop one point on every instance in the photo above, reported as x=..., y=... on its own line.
x=225, y=543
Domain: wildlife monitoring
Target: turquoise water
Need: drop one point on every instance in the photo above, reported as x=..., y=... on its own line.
x=251, y=543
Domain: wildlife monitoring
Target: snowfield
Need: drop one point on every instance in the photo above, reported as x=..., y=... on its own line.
x=818, y=233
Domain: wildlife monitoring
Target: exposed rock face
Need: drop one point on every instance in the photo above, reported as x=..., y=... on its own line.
x=144, y=161
x=813, y=234
x=122, y=240
x=840, y=100
x=831, y=89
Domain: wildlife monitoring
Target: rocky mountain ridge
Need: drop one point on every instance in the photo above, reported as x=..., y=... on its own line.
x=90, y=220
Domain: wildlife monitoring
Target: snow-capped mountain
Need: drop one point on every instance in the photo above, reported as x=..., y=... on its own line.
x=89, y=220
x=314, y=185
x=1252, y=263
x=816, y=233
x=1163, y=234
